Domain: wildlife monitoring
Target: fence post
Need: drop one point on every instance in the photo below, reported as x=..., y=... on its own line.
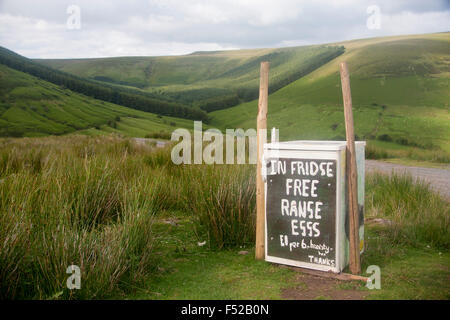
x=261, y=131
x=355, y=264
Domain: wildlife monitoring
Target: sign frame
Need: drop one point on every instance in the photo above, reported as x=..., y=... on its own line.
x=312, y=150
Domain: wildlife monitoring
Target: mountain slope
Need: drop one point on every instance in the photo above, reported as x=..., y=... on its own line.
x=135, y=99
x=400, y=89
x=211, y=80
x=33, y=107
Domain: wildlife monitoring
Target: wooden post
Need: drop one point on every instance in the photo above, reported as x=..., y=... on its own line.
x=355, y=264
x=261, y=132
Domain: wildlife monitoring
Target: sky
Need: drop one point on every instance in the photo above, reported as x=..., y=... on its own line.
x=109, y=28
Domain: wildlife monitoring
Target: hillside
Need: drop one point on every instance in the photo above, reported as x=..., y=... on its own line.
x=400, y=88
x=131, y=98
x=33, y=107
x=210, y=80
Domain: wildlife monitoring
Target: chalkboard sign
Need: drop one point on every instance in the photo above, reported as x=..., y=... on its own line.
x=305, y=209
x=301, y=211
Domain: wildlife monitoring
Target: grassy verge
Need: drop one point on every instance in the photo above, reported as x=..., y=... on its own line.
x=407, y=272
x=415, y=214
x=189, y=271
x=141, y=227
x=377, y=151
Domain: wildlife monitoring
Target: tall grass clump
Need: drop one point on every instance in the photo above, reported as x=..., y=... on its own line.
x=417, y=214
x=79, y=201
x=222, y=200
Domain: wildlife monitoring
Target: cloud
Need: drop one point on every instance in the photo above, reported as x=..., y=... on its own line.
x=165, y=27
x=412, y=22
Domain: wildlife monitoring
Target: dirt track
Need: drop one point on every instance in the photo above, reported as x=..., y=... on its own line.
x=439, y=179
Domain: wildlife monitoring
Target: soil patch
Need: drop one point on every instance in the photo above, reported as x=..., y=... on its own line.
x=311, y=287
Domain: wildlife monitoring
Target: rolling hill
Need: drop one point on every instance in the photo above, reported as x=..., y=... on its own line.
x=131, y=98
x=400, y=89
x=210, y=80
x=30, y=106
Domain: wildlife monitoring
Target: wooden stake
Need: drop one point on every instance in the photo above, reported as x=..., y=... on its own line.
x=355, y=264
x=261, y=132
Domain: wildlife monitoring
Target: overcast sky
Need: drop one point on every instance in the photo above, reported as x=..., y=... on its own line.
x=51, y=28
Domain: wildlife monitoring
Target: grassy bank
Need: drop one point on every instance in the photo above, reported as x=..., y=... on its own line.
x=141, y=227
x=91, y=201
x=73, y=201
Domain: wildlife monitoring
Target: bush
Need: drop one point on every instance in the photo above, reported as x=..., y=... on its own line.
x=384, y=137
x=159, y=135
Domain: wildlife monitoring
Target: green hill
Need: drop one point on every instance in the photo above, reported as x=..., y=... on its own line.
x=210, y=80
x=400, y=89
x=33, y=107
x=131, y=98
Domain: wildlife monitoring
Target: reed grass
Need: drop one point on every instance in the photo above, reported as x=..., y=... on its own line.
x=418, y=215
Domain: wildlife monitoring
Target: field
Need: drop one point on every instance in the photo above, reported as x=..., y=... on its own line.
x=140, y=227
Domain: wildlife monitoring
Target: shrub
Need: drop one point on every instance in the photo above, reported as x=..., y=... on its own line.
x=384, y=137
x=159, y=135
x=375, y=153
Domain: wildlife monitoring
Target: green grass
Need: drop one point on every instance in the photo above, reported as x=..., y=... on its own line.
x=419, y=273
x=133, y=221
x=189, y=271
x=192, y=272
x=33, y=107
x=73, y=200
x=418, y=215
x=91, y=201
